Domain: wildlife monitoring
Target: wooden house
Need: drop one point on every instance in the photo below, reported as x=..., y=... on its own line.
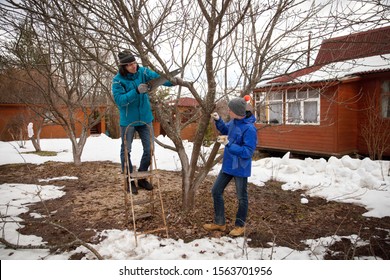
x=16, y=116
x=187, y=108
x=340, y=105
x=20, y=104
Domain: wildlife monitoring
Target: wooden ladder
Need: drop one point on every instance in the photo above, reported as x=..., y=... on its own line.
x=154, y=196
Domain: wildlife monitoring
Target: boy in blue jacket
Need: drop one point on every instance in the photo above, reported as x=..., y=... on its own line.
x=130, y=91
x=239, y=137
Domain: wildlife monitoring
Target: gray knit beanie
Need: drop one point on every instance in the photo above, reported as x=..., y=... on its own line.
x=125, y=58
x=238, y=106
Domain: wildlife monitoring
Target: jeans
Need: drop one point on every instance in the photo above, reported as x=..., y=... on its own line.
x=147, y=139
x=219, y=186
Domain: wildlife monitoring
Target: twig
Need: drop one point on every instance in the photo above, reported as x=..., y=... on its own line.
x=348, y=195
x=77, y=242
x=19, y=153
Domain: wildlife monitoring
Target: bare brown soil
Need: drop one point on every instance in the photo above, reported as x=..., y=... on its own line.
x=96, y=202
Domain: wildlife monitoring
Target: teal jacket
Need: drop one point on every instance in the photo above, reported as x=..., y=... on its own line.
x=134, y=108
x=242, y=136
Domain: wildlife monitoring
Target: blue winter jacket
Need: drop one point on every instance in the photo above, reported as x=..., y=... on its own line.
x=242, y=136
x=133, y=106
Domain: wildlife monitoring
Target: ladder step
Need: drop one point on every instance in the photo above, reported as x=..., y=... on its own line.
x=142, y=216
x=143, y=174
x=145, y=201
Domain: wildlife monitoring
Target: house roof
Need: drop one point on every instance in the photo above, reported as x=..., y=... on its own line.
x=348, y=68
x=354, y=54
x=353, y=46
x=292, y=76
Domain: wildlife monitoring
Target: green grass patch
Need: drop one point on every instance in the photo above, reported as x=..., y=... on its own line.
x=43, y=153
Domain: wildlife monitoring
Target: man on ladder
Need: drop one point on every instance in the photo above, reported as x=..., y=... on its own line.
x=130, y=90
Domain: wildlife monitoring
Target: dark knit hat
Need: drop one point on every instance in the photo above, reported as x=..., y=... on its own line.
x=238, y=106
x=125, y=58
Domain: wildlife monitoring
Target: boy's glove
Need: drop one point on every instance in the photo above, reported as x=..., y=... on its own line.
x=142, y=88
x=215, y=116
x=223, y=139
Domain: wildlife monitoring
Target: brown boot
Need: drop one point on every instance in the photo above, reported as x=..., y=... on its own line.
x=237, y=231
x=211, y=227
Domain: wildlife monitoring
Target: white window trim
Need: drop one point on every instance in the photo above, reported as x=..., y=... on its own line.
x=272, y=102
x=266, y=102
x=301, y=108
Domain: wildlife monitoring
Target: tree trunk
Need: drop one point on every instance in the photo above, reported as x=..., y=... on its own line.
x=78, y=147
x=77, y=157
x=189, y=190
x=35, y=143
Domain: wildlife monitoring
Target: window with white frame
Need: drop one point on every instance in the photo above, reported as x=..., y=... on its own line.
x=386, y=99
x=259, y=109
x=302, y=106
x=274, y=107
x=288, y=107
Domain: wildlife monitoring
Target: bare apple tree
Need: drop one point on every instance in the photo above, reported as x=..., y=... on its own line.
x=223, y=47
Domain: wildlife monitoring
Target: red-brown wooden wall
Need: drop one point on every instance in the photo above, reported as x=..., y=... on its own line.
x=341, y=114
x=10, y=111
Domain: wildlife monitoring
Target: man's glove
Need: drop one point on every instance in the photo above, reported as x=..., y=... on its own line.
x=142, y=88
x=215, y=116
x=223, y=139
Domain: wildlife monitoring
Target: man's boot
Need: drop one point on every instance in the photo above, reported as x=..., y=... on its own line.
x=143, y=183
x=133, y=188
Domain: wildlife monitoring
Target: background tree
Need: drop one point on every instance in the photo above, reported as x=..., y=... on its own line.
x=74, y=86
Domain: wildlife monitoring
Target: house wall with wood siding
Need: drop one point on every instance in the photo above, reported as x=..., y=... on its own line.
x=301, y=138
x=308, y=139
x=56, y=131
x=346, y=132
x=342, y=115
x=10, y=112
x=372, y=90
x=187, y=108
x=336, y=134
x=343, y=103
